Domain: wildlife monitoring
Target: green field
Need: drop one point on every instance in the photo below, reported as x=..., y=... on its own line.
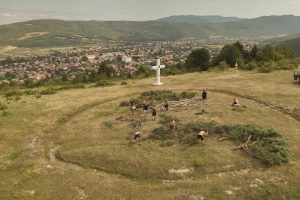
x=76, y=144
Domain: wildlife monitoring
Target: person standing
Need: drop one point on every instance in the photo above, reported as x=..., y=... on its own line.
x=204, y=94
x=173, y=125
x=166, y=105
x=145, y=107
x=132, y=106
x=154, y=113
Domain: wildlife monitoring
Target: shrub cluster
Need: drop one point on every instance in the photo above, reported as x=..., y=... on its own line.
x=267, y=144
x=104, y=83
x=184, y=134
x=48, y=91
x=3, y=106
x=3, y=111
x=160, y=95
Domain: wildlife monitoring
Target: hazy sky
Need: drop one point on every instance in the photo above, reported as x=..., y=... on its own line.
x=145, y=9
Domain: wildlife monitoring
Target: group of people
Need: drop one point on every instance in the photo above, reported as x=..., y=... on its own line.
x=145, y=106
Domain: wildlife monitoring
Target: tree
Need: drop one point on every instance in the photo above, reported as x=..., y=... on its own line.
x=231, y=54
x=242, y=50
x=253, y=52
x=64, y=77
x=199, y=59
x=105, y=70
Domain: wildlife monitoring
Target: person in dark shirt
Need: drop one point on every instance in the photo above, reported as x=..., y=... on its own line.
x=154, y=113
x=204, y=94
x=145, y=107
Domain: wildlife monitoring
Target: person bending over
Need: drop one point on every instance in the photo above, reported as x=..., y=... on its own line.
x=137, y=137
x=235, y=102
x=200, y=136
x=173, y=125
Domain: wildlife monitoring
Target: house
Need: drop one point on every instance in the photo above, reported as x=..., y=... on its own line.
x=127, y=59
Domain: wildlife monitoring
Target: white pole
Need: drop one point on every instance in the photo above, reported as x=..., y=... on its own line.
x=158, y=72
x=158, y=76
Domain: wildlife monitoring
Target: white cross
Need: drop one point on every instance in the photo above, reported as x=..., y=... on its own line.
x=157, y=68
x=236, y=68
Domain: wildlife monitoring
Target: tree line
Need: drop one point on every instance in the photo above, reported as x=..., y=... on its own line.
x=264, y=59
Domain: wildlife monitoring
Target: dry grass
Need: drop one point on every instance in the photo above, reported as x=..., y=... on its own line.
x=100, y=162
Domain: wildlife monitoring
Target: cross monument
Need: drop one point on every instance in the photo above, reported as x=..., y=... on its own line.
x=157, y=68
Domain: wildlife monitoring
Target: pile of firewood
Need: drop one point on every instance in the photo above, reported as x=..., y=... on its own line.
x=185, y=104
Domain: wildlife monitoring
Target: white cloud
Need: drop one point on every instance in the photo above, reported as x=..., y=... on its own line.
x=294, y=2
x=6, y=15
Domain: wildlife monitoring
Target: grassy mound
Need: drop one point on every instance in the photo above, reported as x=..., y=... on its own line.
x=266, y=144
x=160, y=95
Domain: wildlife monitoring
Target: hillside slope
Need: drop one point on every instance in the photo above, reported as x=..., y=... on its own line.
x=292, y=41
x=77, y=144
x=45, y=33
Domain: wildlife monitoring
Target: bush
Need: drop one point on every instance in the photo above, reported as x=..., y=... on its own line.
x=123, y=83
x=5, y=113
x=104, y=83
x=30, y=92
x=71, y=86
x=250, y=66
x=17, y=98
x=11, y=93
x=287, y=64
x=48, y=91
x=266, y=144
x=160, y=95
x=124, y=103
x=138, y=122
x=184, y=134
x=267, y=67
x=166, y=119
x=222, y=66
x=187, y=95
x=3, y=106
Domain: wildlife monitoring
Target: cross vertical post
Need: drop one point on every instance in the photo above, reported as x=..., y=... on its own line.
x=157, y=68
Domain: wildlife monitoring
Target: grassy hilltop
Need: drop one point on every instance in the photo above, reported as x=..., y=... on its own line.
x=75, y=144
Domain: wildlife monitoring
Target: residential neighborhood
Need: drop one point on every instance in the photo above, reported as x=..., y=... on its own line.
x=121, y=57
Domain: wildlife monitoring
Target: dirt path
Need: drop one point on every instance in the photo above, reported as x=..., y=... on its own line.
x=291, y=112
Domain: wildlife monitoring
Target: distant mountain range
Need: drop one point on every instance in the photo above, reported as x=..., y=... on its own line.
x=199, y=19
x=50, y=33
